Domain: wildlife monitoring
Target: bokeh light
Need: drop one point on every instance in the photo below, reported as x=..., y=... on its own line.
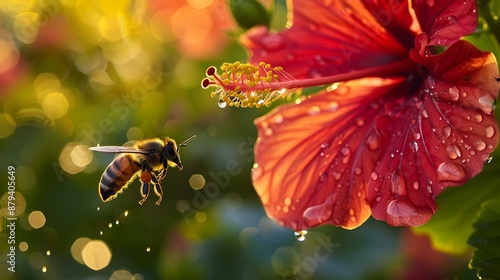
x=197, y=181
x=96, y=254
x=36, y=219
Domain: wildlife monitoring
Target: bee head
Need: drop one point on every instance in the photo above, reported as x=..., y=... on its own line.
x=170, y=155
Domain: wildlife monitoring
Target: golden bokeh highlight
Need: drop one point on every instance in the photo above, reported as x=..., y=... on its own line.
x=197, y=181
x=55, y=105
x=36, y=219
x=23, y=246
x=121, y=274
x=20, y=205
x=77, y=248
x=96, y=254
x=26, y=26
x=7, y=125
x=9, y=54
x=75, y=157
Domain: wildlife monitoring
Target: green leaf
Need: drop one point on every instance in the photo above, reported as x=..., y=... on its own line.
x=486, y=238
x=451, y=225
x=249, y=13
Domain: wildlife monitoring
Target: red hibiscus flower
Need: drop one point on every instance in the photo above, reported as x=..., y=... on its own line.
x=407, y=113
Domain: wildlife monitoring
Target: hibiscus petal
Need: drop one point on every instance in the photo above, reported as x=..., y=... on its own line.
x=313, y=159
x=440, y=137
x=446, y=21
x=326, y=38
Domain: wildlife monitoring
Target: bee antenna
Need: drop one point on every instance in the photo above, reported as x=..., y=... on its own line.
x=186, y=141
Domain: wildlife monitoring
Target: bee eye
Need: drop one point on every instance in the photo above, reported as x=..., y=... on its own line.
x=170, y=151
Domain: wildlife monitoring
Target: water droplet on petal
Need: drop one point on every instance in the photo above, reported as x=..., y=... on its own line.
x=452, y=20
x=324, y=145
x=398, y=183
x=478, y=118
x=480, y=145
x=453, y=152
x=488, y=159
x=486, y=103
x=337, y=175
x=374, y=176
x=345, y=151
x=401, y=210
x=429, y=189
x=268, y=131
x=414, y=146
x=256, y=171
x=454, y=91
x=415, y=185
x=449, y=171
x=447, y=131
x=425, y=114
x=278, y=119
x=314, y=110
x=300, y=235
x=490, y=131
x=372, y=142
x=416, y=135
x=360, y=122
x=318, y=214
x=333, y=106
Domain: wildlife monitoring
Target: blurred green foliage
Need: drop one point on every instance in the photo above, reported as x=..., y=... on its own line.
x=76, y=74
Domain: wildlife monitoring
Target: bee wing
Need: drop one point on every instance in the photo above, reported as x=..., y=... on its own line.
x=119, y=149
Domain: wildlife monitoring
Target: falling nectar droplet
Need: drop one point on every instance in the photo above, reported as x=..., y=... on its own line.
x=300, y=235
x=48, y=252
x=148, y=249
x=222, y=104
x=44, y=269
x=98, y=208
x=489, y=159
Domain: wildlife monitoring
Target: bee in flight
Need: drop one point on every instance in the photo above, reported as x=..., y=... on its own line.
x=150, y=157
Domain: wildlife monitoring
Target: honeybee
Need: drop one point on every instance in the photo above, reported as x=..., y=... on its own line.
x=150, y=157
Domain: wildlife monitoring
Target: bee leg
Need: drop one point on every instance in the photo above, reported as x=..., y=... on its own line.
x=146, y=177
x=158, y=189
x=144, y=192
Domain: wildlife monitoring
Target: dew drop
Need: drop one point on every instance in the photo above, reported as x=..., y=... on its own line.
x=486, y=103
x=453, y=152
x=314, y=110
x=357, y=170
x=374, y=176
x=148, y=249
x=425, y=114
x=488, y=159
x=336, y=175
x=44, y=268
x=397, y=183
x=333, y=106
x=416, y=135
x=447, y=131
x=287, y=201
x=401, y=210
x=429, y=189
x=451, y=172
x=478, y=118
x=360, y=121
x=300, y=235
x=490, y=131
x=256, y=171
x=415, y=185
x=324, y=145
x=429, y=3
x=268, y=131
x=454, y=91
x=278, y=119
x=480, y=145
x=414, y=146
x=319, y=214
x=378, y=198
x=372, y=142
x=345, y=151
x=452, y=20
x=222, y=104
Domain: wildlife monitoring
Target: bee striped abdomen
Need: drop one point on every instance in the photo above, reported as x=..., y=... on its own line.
x=117, y=175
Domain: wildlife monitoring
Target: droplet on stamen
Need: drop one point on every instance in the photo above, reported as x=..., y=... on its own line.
x=300, y=235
